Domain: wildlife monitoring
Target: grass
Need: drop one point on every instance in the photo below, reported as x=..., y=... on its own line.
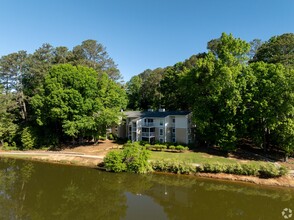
x=196, y=157
x=191, y=157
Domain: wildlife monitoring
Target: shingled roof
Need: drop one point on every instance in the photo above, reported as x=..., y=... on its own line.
x=155, y=114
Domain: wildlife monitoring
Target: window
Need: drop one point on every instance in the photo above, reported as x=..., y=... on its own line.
x=160, y=131
x=161, y=140
x=150, y=120
x=161, y=122
x=174, y=140
x=173, y=130
x=174, y=120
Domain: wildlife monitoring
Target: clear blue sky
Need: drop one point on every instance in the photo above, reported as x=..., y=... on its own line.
x=139, y=34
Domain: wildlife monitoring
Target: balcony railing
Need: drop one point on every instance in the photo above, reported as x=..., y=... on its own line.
x=148, y=134
x=148, y=124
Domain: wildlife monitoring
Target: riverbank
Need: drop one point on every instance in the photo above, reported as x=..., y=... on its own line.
x=92, y=156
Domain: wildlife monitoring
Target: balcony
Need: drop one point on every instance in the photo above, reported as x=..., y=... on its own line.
x=148, y=134
x=148, y=124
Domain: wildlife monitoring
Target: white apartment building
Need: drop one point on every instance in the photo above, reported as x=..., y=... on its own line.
x=152, y=126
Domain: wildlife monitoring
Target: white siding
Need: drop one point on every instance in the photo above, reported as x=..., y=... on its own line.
x=181, y=121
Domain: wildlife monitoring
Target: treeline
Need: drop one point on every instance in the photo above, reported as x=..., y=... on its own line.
x=56, y=95
x=237, y=91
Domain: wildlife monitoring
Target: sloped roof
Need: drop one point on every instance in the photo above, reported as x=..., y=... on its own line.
x=155, y=114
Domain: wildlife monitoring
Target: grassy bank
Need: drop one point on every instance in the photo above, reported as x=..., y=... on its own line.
x=195, y=162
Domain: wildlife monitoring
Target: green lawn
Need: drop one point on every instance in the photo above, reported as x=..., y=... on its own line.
x=195, y=157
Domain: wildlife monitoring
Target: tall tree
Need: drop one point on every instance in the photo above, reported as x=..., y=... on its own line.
x=93, y=54
x=12, y=69
x=133, y=88
x=76, y=103
x=278, y=49
x=214, y=91
x=269, y=105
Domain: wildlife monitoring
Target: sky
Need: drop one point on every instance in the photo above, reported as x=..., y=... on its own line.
x=140, y=34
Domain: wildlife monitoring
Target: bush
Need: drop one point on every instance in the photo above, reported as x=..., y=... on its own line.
x=114, y=162
x=111, y=136
x=136, y=159
x=172, y=147
x=6, y=146
x=265, y=170
x=172, y=167
x=133, y=158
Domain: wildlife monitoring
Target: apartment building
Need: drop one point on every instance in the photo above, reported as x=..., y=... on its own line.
x=161, y=125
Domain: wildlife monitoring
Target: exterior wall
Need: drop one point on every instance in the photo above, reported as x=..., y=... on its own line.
x=122, y=131
x=181, y=135
x=181, y=125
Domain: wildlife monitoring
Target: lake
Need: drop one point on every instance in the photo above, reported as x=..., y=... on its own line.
x=34, y=190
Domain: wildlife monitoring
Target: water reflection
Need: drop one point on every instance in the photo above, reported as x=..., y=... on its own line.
x=41, y=191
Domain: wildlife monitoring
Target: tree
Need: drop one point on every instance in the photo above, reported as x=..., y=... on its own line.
x=133, y=88
x=75, y=103
x=94, y=55
x=8, y=128
x=214, y=91
x=12, y=69
x=278, y=49
x=269, y=106
x=144, y=90
x=38, y=65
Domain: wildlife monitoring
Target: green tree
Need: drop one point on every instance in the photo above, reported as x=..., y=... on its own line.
x=269, y=105
x=12, y=67
x=215, y=91
x=278, y=49
x=75, y=103
x=93, y=54
x=133, y=88
x=8, y=127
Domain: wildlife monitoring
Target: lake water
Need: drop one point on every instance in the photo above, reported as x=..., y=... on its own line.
x=32, y=190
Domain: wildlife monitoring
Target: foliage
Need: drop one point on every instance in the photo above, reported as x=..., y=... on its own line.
x=278, y=49
x=75, y=103
x=133, y=158
x=267, y=170
x=28, y=139
x=172, y=166
x=114, y=162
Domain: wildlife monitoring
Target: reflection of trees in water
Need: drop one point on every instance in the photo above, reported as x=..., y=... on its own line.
x=13, y=183
x=208, y=199
x=41, y=191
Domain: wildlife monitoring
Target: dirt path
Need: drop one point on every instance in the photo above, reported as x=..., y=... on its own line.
x=81, y=155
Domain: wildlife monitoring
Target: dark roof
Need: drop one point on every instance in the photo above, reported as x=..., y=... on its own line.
x=155, y=114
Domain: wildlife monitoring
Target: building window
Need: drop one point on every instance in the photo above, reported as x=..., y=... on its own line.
x=160, y=131
x=161, y=122
x=174, y=140
x=161, y=140
x=173, y=130
x=174, y=120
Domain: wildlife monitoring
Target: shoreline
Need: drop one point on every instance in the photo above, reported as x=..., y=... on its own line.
x=93, y=161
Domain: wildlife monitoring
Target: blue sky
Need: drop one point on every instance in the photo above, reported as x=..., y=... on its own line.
x=139, y=34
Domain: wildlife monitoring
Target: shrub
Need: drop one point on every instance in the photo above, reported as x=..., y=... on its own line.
x=114, y=162
x=133, y=158
x=111, y=136
x=6, y=146
x=172, y=166
x=136, y=159
x=172, y=147
x=268, y=171
x=264, y=170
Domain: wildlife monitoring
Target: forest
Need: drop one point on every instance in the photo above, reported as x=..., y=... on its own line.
x=239, y=92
